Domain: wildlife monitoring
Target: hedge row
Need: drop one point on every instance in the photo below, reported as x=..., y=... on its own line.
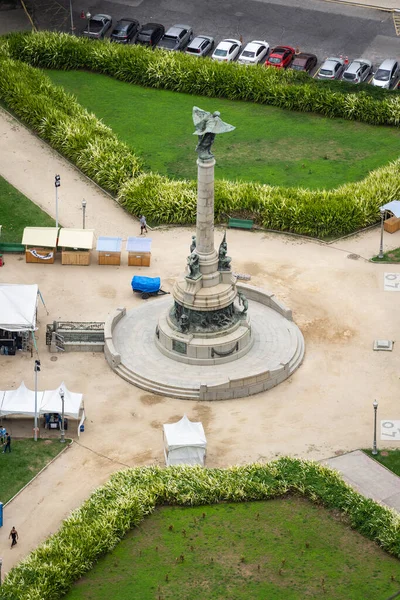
x=101, y=522
x=60, y=120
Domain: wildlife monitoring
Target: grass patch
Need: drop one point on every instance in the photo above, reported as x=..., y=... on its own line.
x=26, y=459
x=18, y=212
x=392, y=256
x=269, y=145
x=389, y=459
x=286, y=548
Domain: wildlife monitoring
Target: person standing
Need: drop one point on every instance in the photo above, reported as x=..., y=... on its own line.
x=7, y=445
x=3, y=434
x=14, y=536
x=143, y=224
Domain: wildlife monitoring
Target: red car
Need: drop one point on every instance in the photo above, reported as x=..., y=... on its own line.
x=280, y=57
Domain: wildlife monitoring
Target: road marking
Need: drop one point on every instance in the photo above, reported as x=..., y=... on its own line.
x=391, y=282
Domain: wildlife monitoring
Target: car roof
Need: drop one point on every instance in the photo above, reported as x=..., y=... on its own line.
x=128, y=19
x=304, y=55
x=175, y=29
x=279, y=49
x=101, y=16
x=229, y=41
x=388, y=63
x=151, y=26
x=198, y=40
x=334, y=59
x=331, y=62
x=254, y=45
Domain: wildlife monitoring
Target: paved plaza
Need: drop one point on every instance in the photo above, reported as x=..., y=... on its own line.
x=325, y=408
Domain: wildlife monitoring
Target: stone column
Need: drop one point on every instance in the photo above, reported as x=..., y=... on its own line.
x=205, y=207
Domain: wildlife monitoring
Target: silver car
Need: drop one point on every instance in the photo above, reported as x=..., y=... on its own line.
x=201, y=45
x=332, y=68
x=97, y=26
x=176, y=38
x=387, y=74
x=358, y=71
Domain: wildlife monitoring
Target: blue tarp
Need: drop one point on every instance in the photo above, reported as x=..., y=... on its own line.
x=145, y=284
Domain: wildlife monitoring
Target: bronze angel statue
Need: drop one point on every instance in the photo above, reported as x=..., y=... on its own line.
x=207, y=126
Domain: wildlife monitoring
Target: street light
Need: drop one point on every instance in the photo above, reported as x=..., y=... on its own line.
x=374, y=449
x=62, y=440
x=380, y=255
x=84, y=211
x=88, y=15
x=36, y=369
x=72, y=18
x=1, y=562
x=57, y=184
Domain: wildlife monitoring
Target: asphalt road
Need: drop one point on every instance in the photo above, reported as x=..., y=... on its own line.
x=324, y=28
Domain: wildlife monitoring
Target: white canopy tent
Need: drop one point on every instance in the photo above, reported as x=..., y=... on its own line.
x=184, y=443
x=20, y=401
x=51, y=402
x=18, y=305
x=393, y=207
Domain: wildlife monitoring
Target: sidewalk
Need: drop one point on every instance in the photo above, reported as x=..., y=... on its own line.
x=368, y=477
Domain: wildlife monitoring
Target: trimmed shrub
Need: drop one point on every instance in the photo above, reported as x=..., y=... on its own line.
x=101, y=522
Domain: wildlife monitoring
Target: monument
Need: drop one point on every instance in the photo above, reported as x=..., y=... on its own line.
x=205, y=325
x=208, y=326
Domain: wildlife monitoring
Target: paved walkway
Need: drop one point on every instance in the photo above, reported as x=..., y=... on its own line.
x=368, y=477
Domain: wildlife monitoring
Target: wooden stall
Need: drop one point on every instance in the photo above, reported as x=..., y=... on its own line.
x=109, y=250
x=76, y=246
x=391, y=215
x=139, y=251
x=40, y=244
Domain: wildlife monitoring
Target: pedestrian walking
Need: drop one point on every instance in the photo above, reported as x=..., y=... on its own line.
x=14, y=536
x=7, y=445
x=143, y=224
x=3, y=434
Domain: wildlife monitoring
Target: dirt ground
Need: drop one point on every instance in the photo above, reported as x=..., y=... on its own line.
x=325, y=408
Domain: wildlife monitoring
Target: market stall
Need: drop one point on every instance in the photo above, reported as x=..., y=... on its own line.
x=40, y=244
x=391, y=216
x=139, y=251
x=109, y=250
x=184, y=443
x=76, y=246
x=18, y=307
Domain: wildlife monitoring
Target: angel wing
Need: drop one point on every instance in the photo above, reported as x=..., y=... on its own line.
x=199, y=115
x=206, y=122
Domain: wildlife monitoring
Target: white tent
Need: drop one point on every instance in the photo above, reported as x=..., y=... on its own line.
x=22, y=402
x=184, y=443
x=393, y=207
x=18, y=307
x=51, y=402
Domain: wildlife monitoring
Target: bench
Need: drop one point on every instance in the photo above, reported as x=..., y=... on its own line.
x=240, y=223
x=11, y=247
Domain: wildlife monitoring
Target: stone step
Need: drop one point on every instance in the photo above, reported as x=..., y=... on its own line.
x=298, y=356
x=156, y=387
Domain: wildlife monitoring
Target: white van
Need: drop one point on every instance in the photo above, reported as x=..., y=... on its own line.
x=387, y=74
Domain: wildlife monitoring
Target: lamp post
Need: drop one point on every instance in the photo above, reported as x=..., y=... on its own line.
x=88, y=15
x=36, y=368
x=374, y=449
x=62, y=440
x=57, y=185
x=380, y=255
x=84, y=212
x=72, y=17
x=1, y=562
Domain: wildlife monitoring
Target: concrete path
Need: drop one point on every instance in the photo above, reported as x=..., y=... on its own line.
x=368, y=477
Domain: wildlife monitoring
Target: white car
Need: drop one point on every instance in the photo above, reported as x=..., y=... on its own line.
x=253, y=53
x=332, y=68
x=387, y=74
x=358, y=71
x=227, y=50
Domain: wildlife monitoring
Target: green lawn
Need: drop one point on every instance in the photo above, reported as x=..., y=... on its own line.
x=392, y=256
x=279, y=549
x=390, y=459
x=26, y=459
x=269, y=145
x=17, y=212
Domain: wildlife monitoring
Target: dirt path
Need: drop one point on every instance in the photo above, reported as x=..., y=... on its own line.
x=325, y=408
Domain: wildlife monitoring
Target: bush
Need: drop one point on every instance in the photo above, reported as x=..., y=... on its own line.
x=101, y=522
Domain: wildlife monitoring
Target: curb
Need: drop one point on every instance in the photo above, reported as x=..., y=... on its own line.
x=37, y=474
x=362, y=5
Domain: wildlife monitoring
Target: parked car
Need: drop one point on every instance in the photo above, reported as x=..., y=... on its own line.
x=358, y=71
x=280, y=57
x=304, y=62
x=176, y=38
x=387, y=74
x=125, y=31
x=97, y=26
x=227, y=50
x=150, y=34
x=332, y=68
x=253, y=53
x=201, y=45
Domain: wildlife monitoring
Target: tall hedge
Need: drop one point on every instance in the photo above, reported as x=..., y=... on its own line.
x=100, y=523
x=58, y=118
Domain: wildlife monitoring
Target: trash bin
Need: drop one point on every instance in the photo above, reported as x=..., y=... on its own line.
x=65, y=424
x=1, y=514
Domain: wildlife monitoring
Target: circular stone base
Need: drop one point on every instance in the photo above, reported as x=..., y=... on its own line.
x=277, y=351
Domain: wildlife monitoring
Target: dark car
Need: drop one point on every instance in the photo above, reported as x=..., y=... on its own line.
x=150, y=34
x=176, y=38
x=97, y=26
x=304, y=62
x=125, y=31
